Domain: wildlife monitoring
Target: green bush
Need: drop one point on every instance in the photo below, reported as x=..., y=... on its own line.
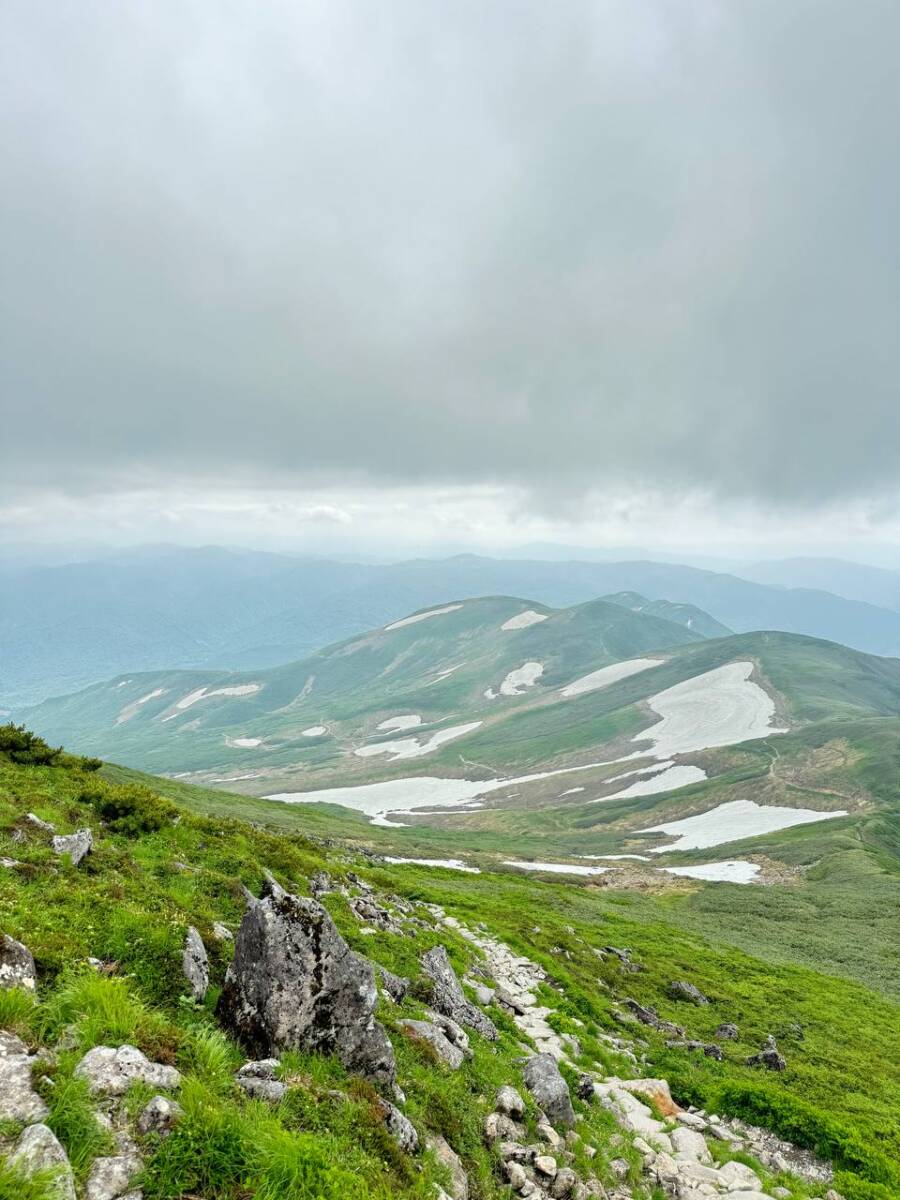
x=26, y=748
x=128, y=808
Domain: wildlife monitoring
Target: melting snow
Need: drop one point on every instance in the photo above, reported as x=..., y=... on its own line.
x=616, y=857
x=241, y=689
x=606, y=676
x=443, y=674
x=314, y=731
x=523, y=619
x=719, y=708
x=523, y=677
x=130, y=709
x=411, y=747
x=572, y=791
x=670, y=778
x=423, y=616
x=244, y=743
x=452, y=864
x=735, y=870
x=490, y=694
x=559, y=868
x=732, y=822
x=407, y=722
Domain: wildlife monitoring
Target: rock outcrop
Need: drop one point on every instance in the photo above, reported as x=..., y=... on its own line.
x=19, y=1101
x=38, y=1150
x=769, y=1057
x=195, y=964
x=112, y=1070
x=76, y=845
x=16, y=965
x=544, y=1081
x=449, y=998
x=295, y=984
x=680, y=989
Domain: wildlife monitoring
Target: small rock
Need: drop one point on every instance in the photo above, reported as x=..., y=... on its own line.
x=737, y=1177
x=158, y=1116
x=691, y=1145
x=447, y=1157
x=449, y=998
x=620, y=1168
x=498, y=1126
x=515, y=1175
x=112, y=1070
x=564, y=1183
x=16, y=965
x=545, y=1164
x=665, y=1168
x=680, y=989
x=396, y=986
x=544, y=1081
x=9, y=863
x=258, y=1079
x=584, y=1089
x=510, y=1102
x=195, y=964
x=548, y=1134
x=781, y=1193
x=110, y=1177
x=713, y=1051
x=655, y=1090
x=483, y=993
x=399, y=1127
x=18, y=1100
x=77, y=845
x=321, y=884
x=38, y=1150
x=221, y=932
x=769, y=1057
x=445, y=1050
x=728, y=1032
x=37, y=823
x=649, y=1016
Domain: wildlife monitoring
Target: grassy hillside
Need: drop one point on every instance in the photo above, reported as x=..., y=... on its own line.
x=150, y=876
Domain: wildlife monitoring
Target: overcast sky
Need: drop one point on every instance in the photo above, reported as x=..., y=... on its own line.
x=473, y=271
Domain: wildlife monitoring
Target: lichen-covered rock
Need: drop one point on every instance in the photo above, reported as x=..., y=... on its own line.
x=38, y=1150
x=563, y=1184
x=510, y=1102
x=425, y=1031
x=35, y=821
x=399, y=1127
x=448, y=1158
x=77, y=845
x=111, y=1177
x=18, y=1099
x=112, y=1070
x=259, y=1079
x=690, y=1144
x=499, y=1126
x=736, y=1177
x=649, y=1016
x=769, y=1057
x=728, y=1032
x=221, y=932
x=16, y=965
x=545, y=1164
x=655, y=1090
x=159, y=1115
x=550, y=1090
x=680, y=989
x=296, y=984
x=396, y=986
x=449, y=998
x=195, y=964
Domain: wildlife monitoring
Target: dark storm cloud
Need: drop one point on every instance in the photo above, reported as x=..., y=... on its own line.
x=559, y=245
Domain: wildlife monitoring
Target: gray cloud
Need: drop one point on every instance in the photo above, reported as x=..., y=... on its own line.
x=552, y=245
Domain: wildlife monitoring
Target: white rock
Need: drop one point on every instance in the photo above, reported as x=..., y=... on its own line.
x=112, y=1070
x=195, y=964
x=16, y=965
x=158, y=1116
x=736, y=1176
x=18, y=1099
x=110, y=1177
x=691, y=1145
x=38, y=1150
x=510, y=1102
x=76, y=845
x=545, y=1164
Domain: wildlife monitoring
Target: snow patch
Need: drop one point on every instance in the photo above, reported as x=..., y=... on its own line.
x=523, y=619
x=521, y=678
x=407, y=722
x=732, y=822
x=244, y=743
x=606, y=676
x=667, y=780
x=735, y=870
x=559, y=868
x=423, y=616
x=240, y=689
x=314, y=731
x=411, y=747
x=130, y=709
x=616, y=857
x=452, y=864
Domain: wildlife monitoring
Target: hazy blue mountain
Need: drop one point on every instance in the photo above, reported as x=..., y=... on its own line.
x=855, y=581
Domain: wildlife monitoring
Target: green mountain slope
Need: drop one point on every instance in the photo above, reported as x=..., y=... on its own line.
x=681, y=614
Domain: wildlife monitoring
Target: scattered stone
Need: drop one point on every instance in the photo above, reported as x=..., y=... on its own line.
x=728, y=1032
x=396, y=986
x=44, y=826
x=259, y=1079
x=509, y=1101
x=77, y=845
x=221, y=932
x=690, y=1144
x=781, y=1193
x=649, y=1016
x=548, y=1135
x=159, y=1115
x=620, y=1168
x=399, y=1127
x=321, y=884
x=498, y=1126
x=515, y=1175
x=295, y=984
x=447, y=1157
x=483, y=993
x=665, y=1168
x=9, y=863
x=112, y=1070
x=38, y=1150
x=564, y=1183
x=656, y=1091
x=680, y=989
x=16, y=965
x=110, y=1177
x=195, y=964
x=18, y=1099
x=769, y=1057
x=448, y=997
x=584, y=1089
x=544, y=1081
x=425, y=1031
x=545, y=1164
x=737, y=1176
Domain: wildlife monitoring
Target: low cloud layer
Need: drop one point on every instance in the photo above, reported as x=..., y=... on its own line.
x=553, y=247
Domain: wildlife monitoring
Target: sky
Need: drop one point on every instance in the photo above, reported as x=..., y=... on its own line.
x=349, y=275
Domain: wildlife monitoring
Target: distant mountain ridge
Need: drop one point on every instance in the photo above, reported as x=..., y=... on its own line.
x=62, y=628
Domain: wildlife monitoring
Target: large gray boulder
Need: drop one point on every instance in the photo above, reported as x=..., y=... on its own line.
x=18, y=1100
x=38, y=1150
x=16, y=965
x=295, y=984
x=77, y=845
x=544, y=1081
x=195, y=964
x=448, y=997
